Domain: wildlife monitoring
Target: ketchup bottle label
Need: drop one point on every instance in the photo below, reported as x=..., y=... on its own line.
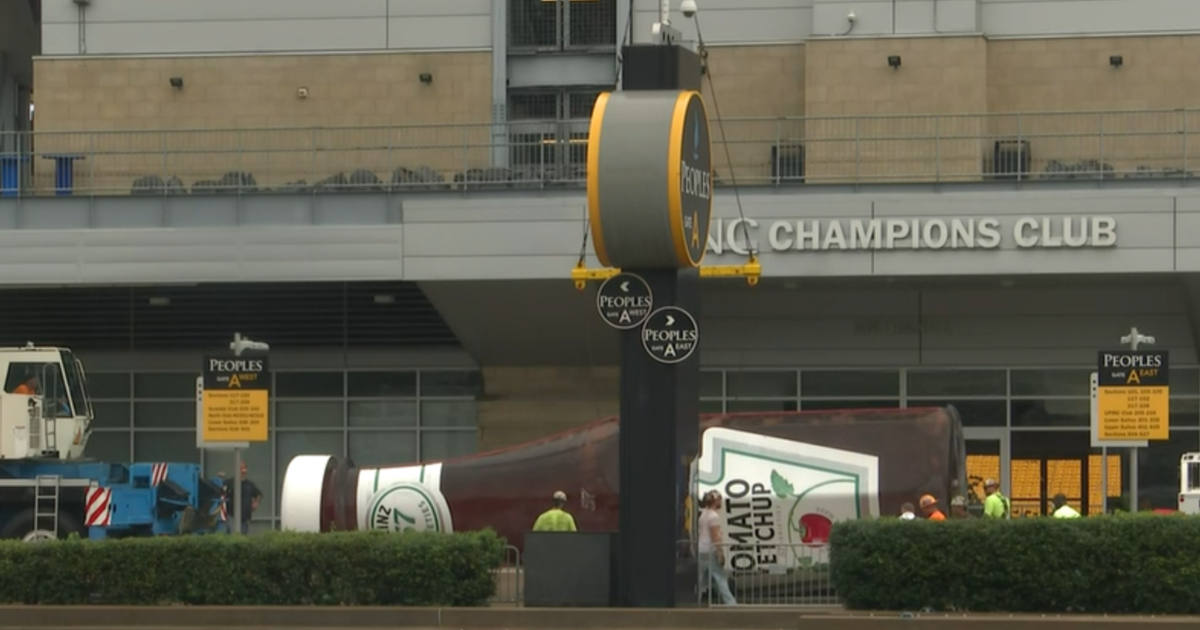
x=403, y=499
x=781, y=497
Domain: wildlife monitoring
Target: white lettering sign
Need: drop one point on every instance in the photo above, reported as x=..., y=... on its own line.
x=738, y=235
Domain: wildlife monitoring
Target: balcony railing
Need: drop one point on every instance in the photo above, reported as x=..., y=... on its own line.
x=538, y=155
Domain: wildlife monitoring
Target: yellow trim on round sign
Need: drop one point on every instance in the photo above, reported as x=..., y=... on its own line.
x=675, y=177
x=593, y=177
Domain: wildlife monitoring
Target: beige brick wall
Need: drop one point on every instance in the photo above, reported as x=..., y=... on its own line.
x=765, y=82
x=899, y=138
x=1065, y=75
x=252, y=93
x=521, y=404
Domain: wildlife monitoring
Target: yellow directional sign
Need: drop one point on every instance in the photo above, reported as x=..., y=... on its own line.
x=236, y=399
x=1134, y=395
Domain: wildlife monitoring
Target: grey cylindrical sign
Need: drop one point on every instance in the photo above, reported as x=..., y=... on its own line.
x=650, y=179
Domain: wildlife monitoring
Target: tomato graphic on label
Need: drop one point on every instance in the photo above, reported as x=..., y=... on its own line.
x=814, y=529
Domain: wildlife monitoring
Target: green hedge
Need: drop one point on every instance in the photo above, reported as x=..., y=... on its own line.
x=352, y=568
x=1146, y=564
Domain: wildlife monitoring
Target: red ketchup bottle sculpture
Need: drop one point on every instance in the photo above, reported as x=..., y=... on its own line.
x=786, y=478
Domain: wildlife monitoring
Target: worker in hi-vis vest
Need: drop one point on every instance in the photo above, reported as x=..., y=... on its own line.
x=1061, y=509
x=996, y=505
x=556, y=519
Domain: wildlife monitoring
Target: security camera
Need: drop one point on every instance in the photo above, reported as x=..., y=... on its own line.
x=688, y=8
x=850, y=17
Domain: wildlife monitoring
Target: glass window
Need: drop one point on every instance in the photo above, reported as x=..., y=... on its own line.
x=711, y=385
x=382, y=413
x=952, y=383
x=742, y=406
x=166, y=446
x=1185, y=381
x=112, y=446
x=1185, y=413
x=168, y=385
x=111, y=385
x=309, y=384
x=382, y=384
x=1051, y=382
x=320, y=414
x=438, y=445
x=711, y=406
x=289, y=444
x=382, y=448
x=451, y=383
x=1158, y=469
x=761, y=384
x=112, y=415
x=258, y=469
x=856, y=403
x=165, y=415
x=849, y=383
x=1051, y=413
x=452, y=413
x=974, y=413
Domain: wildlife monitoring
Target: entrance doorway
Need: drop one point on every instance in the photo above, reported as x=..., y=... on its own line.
x=987, y=458
x=1047, y=463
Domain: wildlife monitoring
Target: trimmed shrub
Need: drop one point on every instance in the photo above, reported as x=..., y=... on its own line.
x=1125, y=564
x=279, y=569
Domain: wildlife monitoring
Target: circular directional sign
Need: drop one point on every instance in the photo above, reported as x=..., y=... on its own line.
x=624, y=301
x=670, y=335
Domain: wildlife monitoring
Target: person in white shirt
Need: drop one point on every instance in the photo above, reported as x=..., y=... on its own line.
x=710, y=550
x=908, y=512
x=1061, y=509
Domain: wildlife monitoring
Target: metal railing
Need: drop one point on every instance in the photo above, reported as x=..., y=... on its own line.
x=774, y=574
x=537, y=155
x=510, y=579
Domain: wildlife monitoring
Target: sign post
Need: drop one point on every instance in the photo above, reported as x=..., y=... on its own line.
x=234, y=401
x=1131, y=391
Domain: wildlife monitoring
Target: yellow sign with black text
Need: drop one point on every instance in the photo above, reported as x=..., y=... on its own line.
x=236, y=399
x=1134, y=395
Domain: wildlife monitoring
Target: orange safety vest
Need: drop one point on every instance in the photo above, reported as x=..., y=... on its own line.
x=24, y=390
x=937, y=516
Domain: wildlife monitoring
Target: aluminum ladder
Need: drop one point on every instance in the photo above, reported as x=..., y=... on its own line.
x=45, y=503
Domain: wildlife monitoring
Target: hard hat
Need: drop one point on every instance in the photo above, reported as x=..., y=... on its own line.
x=927, y=500
x=959, y=501
x=990, y=483
x=559, y=495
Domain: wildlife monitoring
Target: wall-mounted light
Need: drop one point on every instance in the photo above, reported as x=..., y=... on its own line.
x=894, y=61
x=426, y=78
x=302, y=93
x=177, y=83
x=1116, y=61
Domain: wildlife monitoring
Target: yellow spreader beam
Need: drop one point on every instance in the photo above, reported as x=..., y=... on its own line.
x=751, y=271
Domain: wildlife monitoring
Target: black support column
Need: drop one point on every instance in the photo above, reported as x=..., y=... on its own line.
x=659, y=402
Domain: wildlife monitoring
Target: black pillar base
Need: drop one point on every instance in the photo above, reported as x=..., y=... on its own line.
x=658, y=439
x=659, y=67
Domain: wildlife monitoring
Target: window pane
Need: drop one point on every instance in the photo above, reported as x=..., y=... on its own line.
x=438, y=445
x=110, y=385
x=383, y=413
x=1050, y=382
x=170, y=385
x=289, y=444
x=165, y=415
x=1158, y=469
x=1051, y=413
x=857, y=403
x=711, y=406
x=974, y=413
x=382, y=384
x=258, y=469
x=109, y=446
x=761, y=384
x=451, y=383
x=309, y=384
x=848, y=383
x=452, y=413
x=941, y=383
x=740, y=406
x=382, y=448
x=111, y=415
x=1185, y=413
x=168, y=447
x=321, y=414
x=1185, y=381
x=710, y=384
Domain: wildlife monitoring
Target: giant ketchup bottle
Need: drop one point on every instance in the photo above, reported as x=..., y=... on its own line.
x=918, y=451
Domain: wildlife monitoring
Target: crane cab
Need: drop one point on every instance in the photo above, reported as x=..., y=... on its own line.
x=45, y=410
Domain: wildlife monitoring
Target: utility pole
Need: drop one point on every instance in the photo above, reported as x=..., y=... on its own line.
x=239, y=345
